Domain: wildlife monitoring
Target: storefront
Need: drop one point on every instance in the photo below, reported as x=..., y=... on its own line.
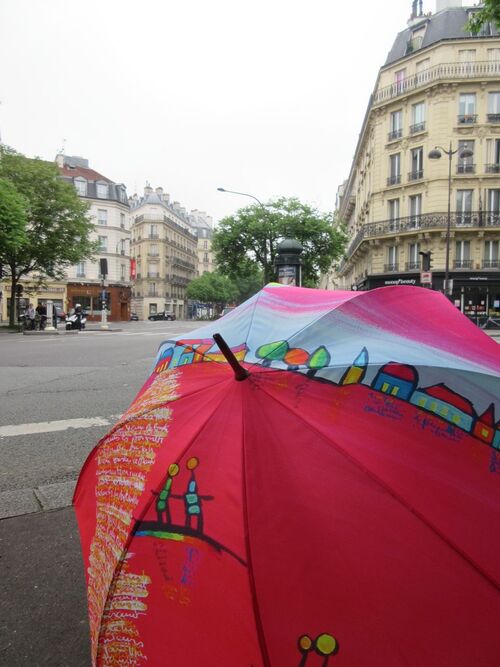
x=473, y=294
x=31, y=294
x=89, y=297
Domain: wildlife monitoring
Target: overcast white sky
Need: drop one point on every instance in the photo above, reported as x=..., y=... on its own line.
x=265, y=97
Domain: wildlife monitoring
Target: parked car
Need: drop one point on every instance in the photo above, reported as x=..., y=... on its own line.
x=227, y=310
x=134, y=317
x=162, y=315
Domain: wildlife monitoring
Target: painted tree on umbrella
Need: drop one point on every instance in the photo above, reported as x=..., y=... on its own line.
x=335, y=505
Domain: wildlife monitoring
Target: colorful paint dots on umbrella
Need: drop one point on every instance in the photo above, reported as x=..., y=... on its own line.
x=325, y=645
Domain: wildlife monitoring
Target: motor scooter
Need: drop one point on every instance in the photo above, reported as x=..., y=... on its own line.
x=76, y=321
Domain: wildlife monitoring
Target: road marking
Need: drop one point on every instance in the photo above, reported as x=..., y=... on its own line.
x=58, y=425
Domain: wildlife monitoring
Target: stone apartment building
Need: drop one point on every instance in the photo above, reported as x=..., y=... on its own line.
x=439, y=87
x=110, y=212
x=165, y=249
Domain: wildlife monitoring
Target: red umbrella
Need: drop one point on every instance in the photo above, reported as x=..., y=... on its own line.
x=325, y=491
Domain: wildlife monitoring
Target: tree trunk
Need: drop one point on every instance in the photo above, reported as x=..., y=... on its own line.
x=13, y=303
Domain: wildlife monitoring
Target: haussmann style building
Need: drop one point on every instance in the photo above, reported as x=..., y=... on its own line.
x=439, y=87
x=165, y=250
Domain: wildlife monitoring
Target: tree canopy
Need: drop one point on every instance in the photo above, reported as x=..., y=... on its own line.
x=248, y=240
x=57, y=227
x=13, y=218
x=212, y=288
x=489, y=12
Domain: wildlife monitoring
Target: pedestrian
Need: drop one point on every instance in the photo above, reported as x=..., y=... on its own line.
x=41, y=311
x=30, y=315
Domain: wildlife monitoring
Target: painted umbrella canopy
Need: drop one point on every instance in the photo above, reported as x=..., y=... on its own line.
x=337, y=505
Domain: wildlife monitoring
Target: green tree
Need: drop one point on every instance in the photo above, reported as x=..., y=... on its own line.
x=13, y=218
x=212, y=288
x=489, y=12
x=57, y=232
x=248, y=240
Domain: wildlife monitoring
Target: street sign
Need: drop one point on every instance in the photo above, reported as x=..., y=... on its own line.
x=426, y=277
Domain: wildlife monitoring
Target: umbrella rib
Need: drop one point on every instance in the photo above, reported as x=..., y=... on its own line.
x=253, y=592
x=395, y=495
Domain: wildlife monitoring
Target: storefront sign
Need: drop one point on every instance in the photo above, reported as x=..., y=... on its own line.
x=401, y=281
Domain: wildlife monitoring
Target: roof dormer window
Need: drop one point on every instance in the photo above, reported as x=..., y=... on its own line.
x=102, y=190
x=81, y=186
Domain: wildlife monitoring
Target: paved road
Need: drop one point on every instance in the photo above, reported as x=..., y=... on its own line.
x=80, y=384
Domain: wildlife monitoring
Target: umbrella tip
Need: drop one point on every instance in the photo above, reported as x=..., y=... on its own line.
x=240, y=373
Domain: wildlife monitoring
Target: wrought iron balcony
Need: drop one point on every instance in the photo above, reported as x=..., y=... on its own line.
x=415, y=175
x=493, y=117
x=154, y=236
x=395, y=134
x=388, y=268
x=412, y=266
x=466, y=168
x=427, y=221
x=492, y=168
x=463, y=264
x=467, y=118
x=153, y=274
x=394, y=180
x=485, y=69
x=491, y=263
x=418, y=127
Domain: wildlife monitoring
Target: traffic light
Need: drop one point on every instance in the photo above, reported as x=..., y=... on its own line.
x=426, y=260
x=19, y=289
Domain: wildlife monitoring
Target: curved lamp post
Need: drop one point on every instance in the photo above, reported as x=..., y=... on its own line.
x=435, y=154
x=288, y=263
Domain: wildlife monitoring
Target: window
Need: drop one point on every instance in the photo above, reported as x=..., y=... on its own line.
x=393, y=205
x=123, y=270
x=422, y=70
x=491, y=255
x=413, y=263
x=462, y=255
x=205, y=258
x=80, y=270
x=103, y=243
x=81, y=186
x=467, y=56
x=102, y=190
x=465, y=165
x=494, y=107
x=392, y=258
x=417, y=117
x=399, y=78
x=394, y=169
x=396, y=128
x=492, y=156
x=467, y=108
x=153, y=271
x=102, y=216
x=153, y=308
x=122, y=220
x=153, y=232
x=417, y=164
x=415, y=210
x=205, y=244
x=153, y=250
x=152, y=290
x=493, y=55
x=464, y=207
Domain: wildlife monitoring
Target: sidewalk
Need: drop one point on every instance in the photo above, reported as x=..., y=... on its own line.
x=43, y=612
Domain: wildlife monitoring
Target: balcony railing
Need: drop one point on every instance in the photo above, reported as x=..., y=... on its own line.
x=466, y=168
x=443, y=72
x=467, y=118
x=395, y=134
x=493, y=117
x=418, y=127
x=491, y=263
x=154, y=236
x=388, y=268
x=394, y=180
x=492, y=168
x=412, y=266
x=415, y=175
x=427, y=221
x=463, y=264
x=153, y=274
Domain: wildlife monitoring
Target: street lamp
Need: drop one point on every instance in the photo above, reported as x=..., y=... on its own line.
x=288, y=263
x=435, y=154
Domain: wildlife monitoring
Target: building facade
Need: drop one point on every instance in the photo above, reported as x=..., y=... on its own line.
x=165, y=250
x=202, y=224
x=110, y=212
x=439, y=87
